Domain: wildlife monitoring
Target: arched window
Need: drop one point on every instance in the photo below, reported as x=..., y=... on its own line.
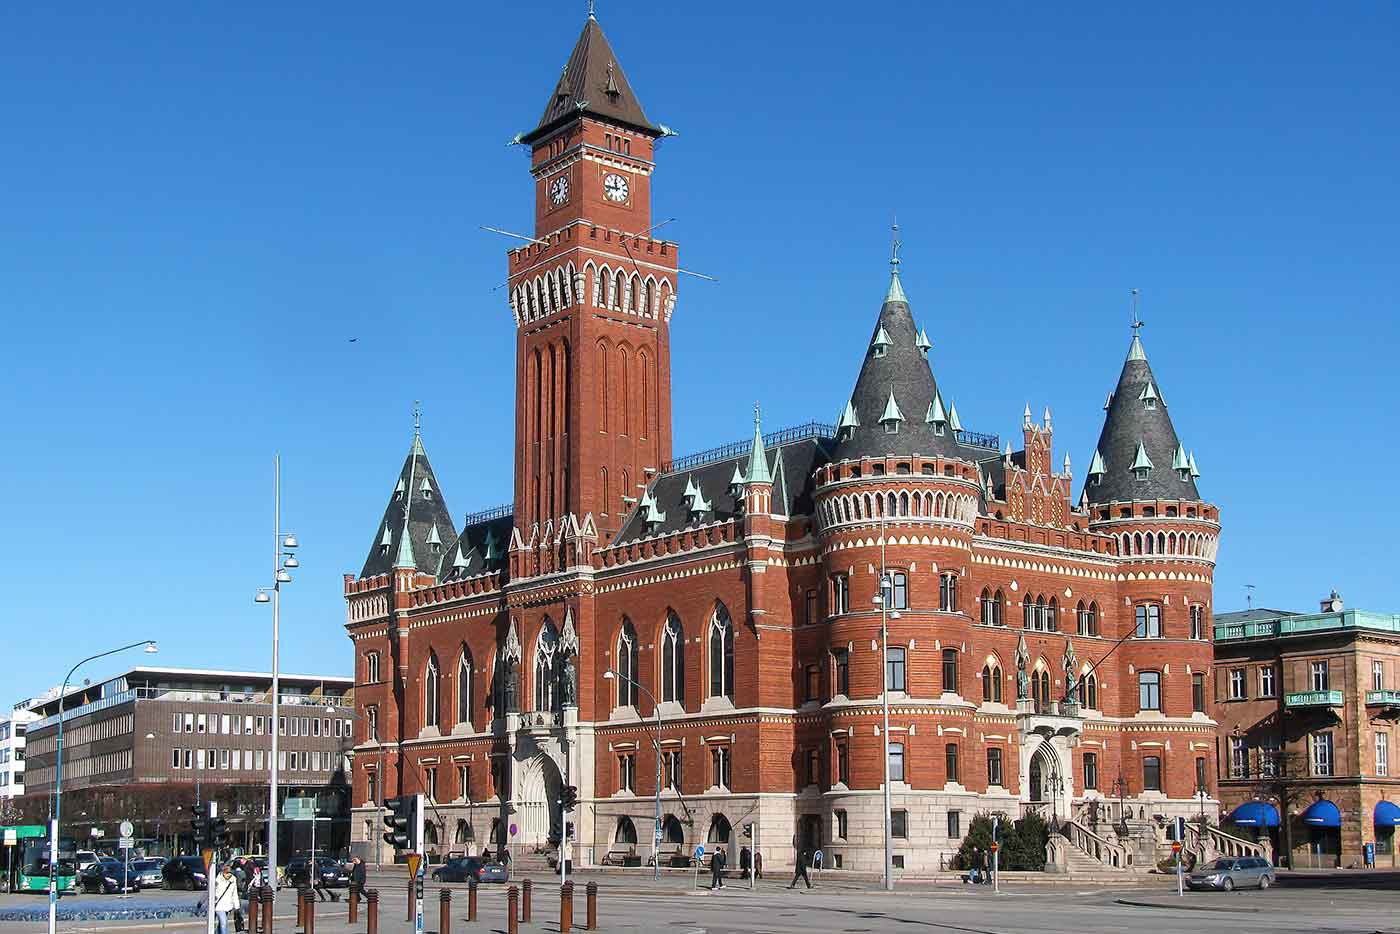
x=546, y=684
x=627, y=658
x=626, y=832
x=1028, y=613
x=1081, y=619
x=464, y=832
x=464, y=687
x=1052, y=616
x=1042, y=619
x=1040, y=685
x=987, y=607
x=720, y=830
x=998, y=600
x=1091, y=691
x=721, y=654
x=1093, y=619
x=432, y=691
x=673, y=660
x=991, y=684
x=672, y=831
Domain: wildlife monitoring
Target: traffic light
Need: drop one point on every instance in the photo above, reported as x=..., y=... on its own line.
x=568, y=797
x=748, y=831
x=218, y=832
x=200, y=823
x=404, y=820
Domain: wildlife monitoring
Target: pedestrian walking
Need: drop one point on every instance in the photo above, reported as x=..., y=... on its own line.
x=758, y=864
x=357, y=878
x=226, y=900
x=800, y=872
x=323, y=891
x=974, y=866
x=717, y=869
x=986, y=868
x=745, y=863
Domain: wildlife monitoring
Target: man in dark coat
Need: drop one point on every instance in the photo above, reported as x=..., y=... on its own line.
x=357, y=878
x=717, y=869
x=801, y=871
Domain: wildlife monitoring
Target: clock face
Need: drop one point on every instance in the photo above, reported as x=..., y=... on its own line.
x=559, y=190
x=615, y=188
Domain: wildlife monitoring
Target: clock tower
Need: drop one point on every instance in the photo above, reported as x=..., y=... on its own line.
x=592, y=298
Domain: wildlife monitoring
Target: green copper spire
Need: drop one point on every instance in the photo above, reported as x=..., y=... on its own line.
x=1135, y=351
x=923, y=343
x=849, y=418
x=758, y=457
x=896, y=291
x=936, y=415
x=1180, y=460
x=1149, y=394
x=892, y=412
x=1141, y=461
x=953, y=421
x=405, y=558
x=1096, y=467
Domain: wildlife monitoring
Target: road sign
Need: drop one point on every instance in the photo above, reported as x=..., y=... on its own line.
x=996, y=847
x=514, y=830
x=207, y=855
x=817, y=859
x=98, y=833
x=128, y=829
x=1179, y=828
x=127, y=843
x=700, y=851
x=414, y=860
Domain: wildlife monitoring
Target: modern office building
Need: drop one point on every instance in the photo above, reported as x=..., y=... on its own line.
x=13, y=730
x=140, y=743
x=1308, y=706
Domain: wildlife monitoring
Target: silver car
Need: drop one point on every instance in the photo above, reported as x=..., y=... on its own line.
x=148, y=871
x=1229, y=873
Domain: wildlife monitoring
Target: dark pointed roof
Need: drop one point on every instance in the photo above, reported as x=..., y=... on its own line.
x=592, y=82
x=895, y=368
x=418, y=489
x=1138, y=423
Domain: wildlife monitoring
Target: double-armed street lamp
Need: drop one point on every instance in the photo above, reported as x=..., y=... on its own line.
x=885, y=601
x=56, y=802
x=283, y=561
x=612, y=674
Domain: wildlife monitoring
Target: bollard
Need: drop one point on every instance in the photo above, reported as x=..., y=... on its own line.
x=372, y=911
x=592, y=891
x=566, y=907
x=301, y=910
x=354, y=903
x=412, y=915
x=310, y=926
x=254, y=916
x=444, y=912
x=471, y=900
x=267, y=911
x=527, y=888
x=512, y=903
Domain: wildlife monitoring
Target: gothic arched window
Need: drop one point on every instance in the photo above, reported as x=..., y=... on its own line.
x=673, y=660
x=546, y=686
x=627, y=658
x=432, y=691
x=464, y=687
x=721, y=654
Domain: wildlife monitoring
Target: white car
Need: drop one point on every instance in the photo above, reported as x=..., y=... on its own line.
x=82, y=859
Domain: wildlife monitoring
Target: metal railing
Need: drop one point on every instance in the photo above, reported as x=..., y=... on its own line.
x=486, y=515
x=1386, y=698
x=736, y=448
x=1313, y=699
x=189, y=696
x=976, y=439
x=1216, y=842
x=1111, y=854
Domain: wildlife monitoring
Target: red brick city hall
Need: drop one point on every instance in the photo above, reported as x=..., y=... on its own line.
x=1045, y=651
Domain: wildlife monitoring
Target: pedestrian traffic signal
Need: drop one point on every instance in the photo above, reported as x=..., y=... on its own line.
x=218, y=832
x=199, y=823
x=568, y=797
x=404, y=822
x=748, y=831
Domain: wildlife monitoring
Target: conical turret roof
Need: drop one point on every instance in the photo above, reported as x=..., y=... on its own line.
x=592, y=83
x=896, y=379
x=1138, y=439
x=432, y=533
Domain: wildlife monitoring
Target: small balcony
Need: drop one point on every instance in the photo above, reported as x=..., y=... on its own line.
x=1383, y=698
x=1313, y=699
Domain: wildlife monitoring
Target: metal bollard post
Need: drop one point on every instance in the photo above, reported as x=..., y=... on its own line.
x=372, y=911
x=267, y=911
x=411, y=915
x=512, y=903
x=592, y=891
x=254, y=916
x=444, y=912
x=527, y=888
x=566, y=907
x=471, y=900
x=301, y=910
x=354, y=904
x=310, y=926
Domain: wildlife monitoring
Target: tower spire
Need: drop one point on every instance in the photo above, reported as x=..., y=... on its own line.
x=896, y=290
x=758, y=457
x=592, y=14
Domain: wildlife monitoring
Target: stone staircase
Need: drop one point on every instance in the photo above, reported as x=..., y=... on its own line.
x=1080, y=863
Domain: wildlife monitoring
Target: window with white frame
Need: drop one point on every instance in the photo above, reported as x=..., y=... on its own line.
x=1382, y=753
x=1377, y=676
x=721, y=644
x=1237, y=690
x=1266, y=681
x=1239, y=757
x=1320, y=746
x=1318, y=672
x=1149, y=621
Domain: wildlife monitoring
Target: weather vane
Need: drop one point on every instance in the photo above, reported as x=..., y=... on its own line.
x=1137, y=322
x=755, y=415
x=590, y=10
x=894, y=247
x=417, y=416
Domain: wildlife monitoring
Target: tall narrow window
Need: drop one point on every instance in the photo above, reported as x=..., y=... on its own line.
x=899, y=590
x=1320, y=746
x=1198, y=622
x=628, y=652
x=432, y=692
x=1149, y=621
x=1382, y=754
x=1198, y=692
x=1091, y=771
x=1266, y=681
x=813, y=614
x=1319, y=676
x=1377, y=676
x=843, y=763
x=673, y=660
x=948, y=593
x=1239, y=757
x=1237, y=688
x=546, y=658
x=721, y=654
x=994, y=767
x=894, y=669
x=464, y=687
x=372, y=668
x=841, y=662
x=1151, y=773
x=950, y=671
x=1201, y=778
x=1091, y=692
x=840, y=594
x=950, y=762
x=719, y=765
x=896, y=762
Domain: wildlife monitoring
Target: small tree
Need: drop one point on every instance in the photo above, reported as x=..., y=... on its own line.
x=1279, y=776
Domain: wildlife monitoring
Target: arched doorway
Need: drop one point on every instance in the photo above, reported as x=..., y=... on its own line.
x=626, y=832
x=1045, y=780
x=720, y=832
x=537, y=803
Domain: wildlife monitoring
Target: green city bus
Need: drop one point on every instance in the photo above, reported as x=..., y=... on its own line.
x=28, y=846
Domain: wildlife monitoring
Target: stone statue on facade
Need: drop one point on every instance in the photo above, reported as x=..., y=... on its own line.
x=1071, y=665
x=1023, y=679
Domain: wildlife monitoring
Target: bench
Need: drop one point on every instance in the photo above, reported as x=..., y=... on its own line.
x=627, y=857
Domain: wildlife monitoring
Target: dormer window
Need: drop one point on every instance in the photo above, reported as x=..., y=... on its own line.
x=892, y=416
x=891, y=427
x=881, y=343
x=1142, y=464
x=1149, y=396
x=426, y=488
x=398, y=491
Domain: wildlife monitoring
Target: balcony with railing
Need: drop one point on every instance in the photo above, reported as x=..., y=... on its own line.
x=1306, y=624
x=1383, y=698
x=1313, y=699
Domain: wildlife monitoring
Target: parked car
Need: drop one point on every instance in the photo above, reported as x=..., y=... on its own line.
x=331, y=873
x=465, y=868
x=83, y=859
x=108, y=877
x=1229, y=873
x=184, y=872
x=148, y=871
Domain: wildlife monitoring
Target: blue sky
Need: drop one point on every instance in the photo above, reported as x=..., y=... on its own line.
x=202, y=204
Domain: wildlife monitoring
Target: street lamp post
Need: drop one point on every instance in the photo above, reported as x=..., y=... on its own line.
x=57, y=800
x=610, y=675
x=283, y=558
x=883, y=600
x=379, y=748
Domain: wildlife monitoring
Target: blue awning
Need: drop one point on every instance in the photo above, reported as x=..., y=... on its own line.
x=1322, y=814
x=1387, y=814
x=1255, y=814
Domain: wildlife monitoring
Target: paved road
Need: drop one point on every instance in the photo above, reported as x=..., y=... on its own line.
x=855, y=910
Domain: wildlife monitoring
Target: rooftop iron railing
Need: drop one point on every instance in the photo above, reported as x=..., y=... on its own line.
x=486, y=515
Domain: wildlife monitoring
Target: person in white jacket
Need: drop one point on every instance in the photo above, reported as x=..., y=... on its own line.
x=226, y=900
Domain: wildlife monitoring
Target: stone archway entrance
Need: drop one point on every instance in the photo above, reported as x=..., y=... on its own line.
x=537, y=802
x=1048, y=783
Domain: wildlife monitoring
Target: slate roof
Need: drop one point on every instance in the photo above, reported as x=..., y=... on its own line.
x=791, y=465
x=902, y=372
x=427, y=510
x=481, y=548
x=1138, y=417
x=592, y=83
